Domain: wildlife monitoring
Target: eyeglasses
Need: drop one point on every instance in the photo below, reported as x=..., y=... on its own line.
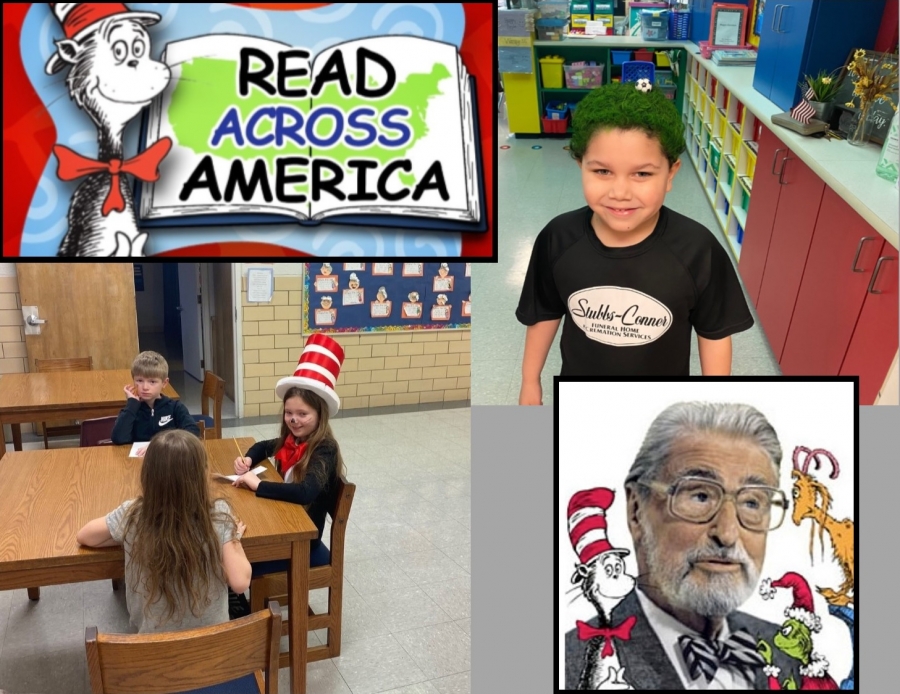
x=698, y=500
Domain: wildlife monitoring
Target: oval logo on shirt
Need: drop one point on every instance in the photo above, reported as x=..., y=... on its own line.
x=619, y=316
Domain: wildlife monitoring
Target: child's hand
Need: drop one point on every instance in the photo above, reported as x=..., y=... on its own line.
x=531, y=394
x=248, y=479
x=129, y=392
x=242, y=465
x=241, y=527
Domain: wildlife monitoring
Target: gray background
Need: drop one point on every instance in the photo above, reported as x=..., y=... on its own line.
x=513, y=636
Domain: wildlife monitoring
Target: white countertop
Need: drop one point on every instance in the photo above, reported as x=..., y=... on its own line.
x=847, y=169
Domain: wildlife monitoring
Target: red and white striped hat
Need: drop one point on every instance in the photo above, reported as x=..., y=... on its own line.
x=317, y=370
x=79, y=18
x=587, y=523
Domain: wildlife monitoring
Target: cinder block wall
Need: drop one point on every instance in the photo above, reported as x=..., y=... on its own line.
x=380, y=369
x=13, y=357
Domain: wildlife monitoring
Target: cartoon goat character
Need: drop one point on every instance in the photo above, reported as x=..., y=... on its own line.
x=795, y=636
x=604, y=583
x=806, y=492
x=112, y=78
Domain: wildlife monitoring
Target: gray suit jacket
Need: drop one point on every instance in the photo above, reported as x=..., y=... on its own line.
x=645, y=662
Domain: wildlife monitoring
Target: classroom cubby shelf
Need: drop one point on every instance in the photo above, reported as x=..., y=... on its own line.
x=598, y=50
x=721, y=136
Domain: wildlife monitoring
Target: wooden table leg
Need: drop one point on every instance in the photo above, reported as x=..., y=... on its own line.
x=298, y=600
x=34, y=593
x=17, y=436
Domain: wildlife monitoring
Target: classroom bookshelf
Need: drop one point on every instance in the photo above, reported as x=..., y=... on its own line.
x=722, y=138
x=601, y=50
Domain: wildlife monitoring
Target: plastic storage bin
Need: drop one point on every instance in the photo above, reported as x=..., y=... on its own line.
x=584, y=77
x=662, y=60
x=551, y=72
x=554, y=10
x=635, y=70
x=557, y=110
x=664, y=78
x=644, y=54
x=679, y=23
x=554, y=126
x=619, y=57
x=551, y=29
x=655, y=25
x=668, y=92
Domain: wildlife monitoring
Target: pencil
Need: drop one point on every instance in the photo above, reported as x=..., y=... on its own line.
x=240, y=455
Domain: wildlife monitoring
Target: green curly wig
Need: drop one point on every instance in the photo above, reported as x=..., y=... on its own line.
x=623, y=106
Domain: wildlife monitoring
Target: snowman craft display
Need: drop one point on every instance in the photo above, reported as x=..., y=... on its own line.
x=604, y=583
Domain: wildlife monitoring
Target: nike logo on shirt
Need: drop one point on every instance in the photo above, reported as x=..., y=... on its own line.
x=165, y=419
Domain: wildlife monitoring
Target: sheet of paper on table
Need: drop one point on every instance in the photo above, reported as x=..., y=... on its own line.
x=138, y=449
x=256, y=471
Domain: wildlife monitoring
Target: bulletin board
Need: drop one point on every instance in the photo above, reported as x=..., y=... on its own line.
x=366, y=297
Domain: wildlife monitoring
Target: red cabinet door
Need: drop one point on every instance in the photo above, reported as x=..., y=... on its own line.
x=832, y=293
x=874, y=340
x=795, y=220
x=761, y=215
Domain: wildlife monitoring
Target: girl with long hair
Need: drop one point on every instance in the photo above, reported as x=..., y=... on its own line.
x=182, y=547
x=309, y=460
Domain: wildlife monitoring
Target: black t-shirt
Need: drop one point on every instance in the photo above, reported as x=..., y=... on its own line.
x=629, y=311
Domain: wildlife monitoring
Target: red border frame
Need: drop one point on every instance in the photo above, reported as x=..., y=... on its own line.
x=29, y=134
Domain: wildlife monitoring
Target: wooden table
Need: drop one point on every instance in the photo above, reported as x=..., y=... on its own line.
x=45, y=397
x=47, y=495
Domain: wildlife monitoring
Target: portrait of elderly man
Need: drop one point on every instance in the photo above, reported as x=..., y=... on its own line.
x=702, y=497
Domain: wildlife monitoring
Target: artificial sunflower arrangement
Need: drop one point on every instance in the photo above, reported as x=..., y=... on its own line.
x=874, y=79
x=824, y=86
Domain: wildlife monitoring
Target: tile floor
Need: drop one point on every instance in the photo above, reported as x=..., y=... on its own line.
x=536, y=185
x=406, y=619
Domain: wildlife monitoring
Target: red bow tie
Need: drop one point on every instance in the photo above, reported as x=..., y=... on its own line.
x=144, y=166
x=623, y=632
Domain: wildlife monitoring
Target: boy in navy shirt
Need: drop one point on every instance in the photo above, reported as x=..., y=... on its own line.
x=147, y=411
x=632, y=277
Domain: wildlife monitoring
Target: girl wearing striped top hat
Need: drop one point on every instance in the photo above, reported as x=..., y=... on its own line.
x=306, y=453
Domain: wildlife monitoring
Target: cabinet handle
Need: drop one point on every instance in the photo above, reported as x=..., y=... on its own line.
x=776, y=20
x=859, y=250
x=780, y=149
x=875, y=274
x=783, y=165
x=781, y=18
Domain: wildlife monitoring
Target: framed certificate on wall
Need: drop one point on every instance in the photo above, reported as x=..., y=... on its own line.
x=728, y=24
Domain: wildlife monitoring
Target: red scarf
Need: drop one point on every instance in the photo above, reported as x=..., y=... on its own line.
x=144, y=166
x=289, y=454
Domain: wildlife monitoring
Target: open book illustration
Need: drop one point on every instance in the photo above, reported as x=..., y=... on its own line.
x=377, y=131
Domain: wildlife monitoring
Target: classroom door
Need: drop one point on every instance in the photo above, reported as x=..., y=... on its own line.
x=89, y=310
x=189, y=308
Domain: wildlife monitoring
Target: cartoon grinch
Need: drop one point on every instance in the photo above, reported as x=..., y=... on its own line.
x=795, y=637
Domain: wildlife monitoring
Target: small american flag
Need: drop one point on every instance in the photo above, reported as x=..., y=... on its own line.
x=803, y=112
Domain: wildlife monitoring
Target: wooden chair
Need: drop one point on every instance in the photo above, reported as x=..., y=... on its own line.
x=330, y=576
x=51, y=365
x=233, y=656
x=97, y=432
x=213, y=389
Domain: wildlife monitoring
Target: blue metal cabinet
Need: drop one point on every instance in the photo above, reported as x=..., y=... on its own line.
x=801, y=37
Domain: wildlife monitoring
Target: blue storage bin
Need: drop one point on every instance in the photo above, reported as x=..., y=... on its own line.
x=678, y=24
x=620, y=57
x=634, y=70
x=740, y=233
x=557, y=110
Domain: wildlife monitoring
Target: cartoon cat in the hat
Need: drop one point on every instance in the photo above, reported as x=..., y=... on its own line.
x=600, y=573
x=111, y=78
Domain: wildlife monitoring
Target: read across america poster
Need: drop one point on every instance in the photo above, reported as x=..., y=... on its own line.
x=248, y=130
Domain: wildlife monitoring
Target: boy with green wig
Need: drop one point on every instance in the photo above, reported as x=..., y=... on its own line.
x=631, y=276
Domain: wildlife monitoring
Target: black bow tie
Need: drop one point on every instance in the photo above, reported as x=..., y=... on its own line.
x=704, y=656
